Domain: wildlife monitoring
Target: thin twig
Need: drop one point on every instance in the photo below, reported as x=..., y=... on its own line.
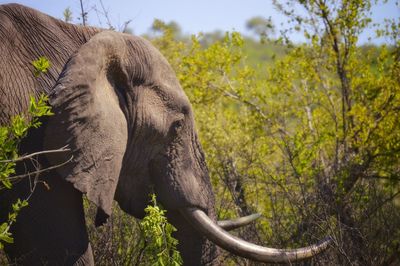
x=42, y=170
x=238, y=98
x=105, y=13
x=28, y=156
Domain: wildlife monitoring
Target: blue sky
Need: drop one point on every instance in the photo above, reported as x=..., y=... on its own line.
x=192, y=16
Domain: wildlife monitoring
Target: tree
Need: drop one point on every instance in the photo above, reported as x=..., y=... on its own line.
x=263, y=27
x=312, y=140
x=10, y=137
x=67, y=15
x=350, y=107
x=83, y=14
x=159, y=26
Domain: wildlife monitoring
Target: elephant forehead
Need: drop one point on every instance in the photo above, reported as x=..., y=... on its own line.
x=155, y=68
x=173, y=98
x=158, y=111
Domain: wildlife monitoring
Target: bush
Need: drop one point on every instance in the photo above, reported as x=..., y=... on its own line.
x=10, y=137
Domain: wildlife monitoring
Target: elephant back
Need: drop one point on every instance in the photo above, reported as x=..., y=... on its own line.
x=27, y=35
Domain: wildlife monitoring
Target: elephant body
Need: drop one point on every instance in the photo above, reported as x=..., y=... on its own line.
x=129, y=127
x=26, y=36
x=54, y=217
x=52, y=229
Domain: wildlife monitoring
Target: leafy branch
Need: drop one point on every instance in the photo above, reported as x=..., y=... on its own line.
x=159, y=246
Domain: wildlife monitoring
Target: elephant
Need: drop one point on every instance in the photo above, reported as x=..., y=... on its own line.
x=130, y=130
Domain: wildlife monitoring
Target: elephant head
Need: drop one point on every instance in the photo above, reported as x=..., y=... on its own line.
x=130, y=128
x=119, y=106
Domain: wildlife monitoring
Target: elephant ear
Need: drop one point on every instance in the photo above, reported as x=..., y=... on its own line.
x=88, y=104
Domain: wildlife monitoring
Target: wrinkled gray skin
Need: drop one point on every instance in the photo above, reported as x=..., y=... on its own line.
x=120, y=108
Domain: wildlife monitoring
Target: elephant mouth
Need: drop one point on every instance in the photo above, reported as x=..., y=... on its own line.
x=222, y=238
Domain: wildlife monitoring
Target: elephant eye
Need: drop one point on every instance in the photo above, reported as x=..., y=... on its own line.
x=177, y=126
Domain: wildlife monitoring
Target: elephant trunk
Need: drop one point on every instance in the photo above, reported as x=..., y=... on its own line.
x=220, y=237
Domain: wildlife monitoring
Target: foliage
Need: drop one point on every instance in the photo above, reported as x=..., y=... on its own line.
x=261, y=26
x=118, y=242
x=311, y=139
x=10, y=137
x=67, y=15
x=127, y=241
x=42, y=64
x=159, y=26
x=159, y=245
x=5, y=234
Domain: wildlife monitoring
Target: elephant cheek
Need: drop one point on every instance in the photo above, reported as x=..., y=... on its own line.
x=133, y=197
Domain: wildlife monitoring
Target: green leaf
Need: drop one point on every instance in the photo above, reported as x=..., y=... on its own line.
x=159, y=245
x=41, y=65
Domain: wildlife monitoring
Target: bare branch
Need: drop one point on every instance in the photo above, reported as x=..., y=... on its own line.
x=237, y=97
x=106, y=15
x=41, y=170
x=29, y=156
x=83, y=14
x=125, y=25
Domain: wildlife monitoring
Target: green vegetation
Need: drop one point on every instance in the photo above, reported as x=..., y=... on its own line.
x=307, y=134
x=159, y=247
x=309, y=138
x=41, y=65
x=261, y=26
x=10, y=137
x=127, y=241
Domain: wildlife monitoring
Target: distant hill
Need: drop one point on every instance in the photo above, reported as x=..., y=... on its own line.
x=262, y=53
